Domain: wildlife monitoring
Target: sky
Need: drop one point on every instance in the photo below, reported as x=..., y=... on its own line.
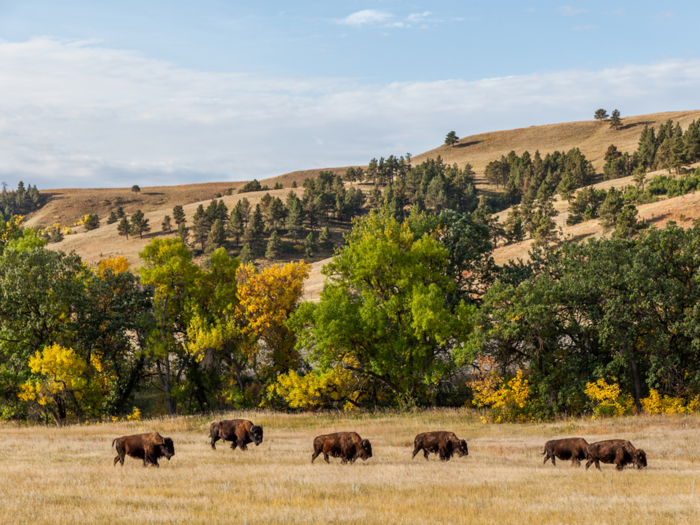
x=115, y=93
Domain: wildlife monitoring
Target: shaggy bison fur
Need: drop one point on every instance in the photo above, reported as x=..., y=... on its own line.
x=345, y=445
x=148, y=447
x=620, y=452
x=444, y=444
x=239, y=432
x=565, y=449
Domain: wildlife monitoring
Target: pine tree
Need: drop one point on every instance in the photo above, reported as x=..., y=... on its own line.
x=247, y=255
x=120, y=213
x=626, y=223
x=92, y=222
x=639, y=177
x=609, y=210
x=310, y=247
x=324, y=238
x=294, y=184
x=135, y=188
x=179, y=215
x=139, y=224
x=167, y=227
x=678, y=156
x=56, y=235
x=183, y=233
x=216, y=237
x=274, y=247
x=244, y=207
x=112, y=218
x=451, y=139
x=212, y=211
x=295, y=217
x=200, y=230
x=124, y=228
x=600, y=114
x=615, y=120
x=199, y=213
x=256, y=226
x=235, y=227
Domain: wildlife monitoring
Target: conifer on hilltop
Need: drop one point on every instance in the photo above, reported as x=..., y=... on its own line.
x=615, y=120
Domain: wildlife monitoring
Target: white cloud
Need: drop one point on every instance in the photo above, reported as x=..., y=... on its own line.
x=74, y=114
x=366, y=17
x=585, y=28
x=418, y=17
x=567, y=10
x=663, y=15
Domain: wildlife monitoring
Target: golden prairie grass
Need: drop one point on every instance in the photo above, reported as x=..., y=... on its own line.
x=66, y=475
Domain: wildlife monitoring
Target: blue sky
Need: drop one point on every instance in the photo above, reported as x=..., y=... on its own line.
x=115, y=93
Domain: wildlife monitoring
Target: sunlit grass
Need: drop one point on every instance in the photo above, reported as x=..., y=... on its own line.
x=66, y=475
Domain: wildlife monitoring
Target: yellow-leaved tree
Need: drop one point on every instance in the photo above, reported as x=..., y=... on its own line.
x=116, y=264
x=59, y=385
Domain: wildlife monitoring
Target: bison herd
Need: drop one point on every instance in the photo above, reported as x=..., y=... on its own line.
x=349, y=446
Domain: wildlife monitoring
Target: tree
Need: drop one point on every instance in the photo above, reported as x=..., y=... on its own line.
x=166, y=226
x=200, y=229
x=615, y=120
x=235, y=227
x=124, y=228
x=256, y=227
x=139, y=223
x=135, y=188
x=183, y=233
x=626, y=223
x=120, y=213
x=678, y=157
x=274, y=246
x=310, y=246
x=112, y=218
x=609, y=210
x=247, y=254
x=216, y=237
x=295, y=217
x=179, y=215
x=600, y=114
x=324, y=238
x=92, y=222
x=451, y=139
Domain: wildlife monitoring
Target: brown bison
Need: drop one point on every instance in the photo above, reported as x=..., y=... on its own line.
x=565, y=449
x=345, y=445
x=618, y=451
x=148, y=447
x=444, y=444
x=239, y=432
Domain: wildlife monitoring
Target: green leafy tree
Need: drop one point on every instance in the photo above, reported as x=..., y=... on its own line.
x=451, y=139
x=124, y=228
x=139, y=224
x=626, y=223
x=120, y=213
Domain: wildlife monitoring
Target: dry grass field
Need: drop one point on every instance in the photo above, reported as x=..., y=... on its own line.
x=66, y=475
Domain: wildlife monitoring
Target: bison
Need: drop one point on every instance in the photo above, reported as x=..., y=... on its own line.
x=618, y=451
x=445, y=444
x=345, y=445
x=239, y=431
x=148, y=447
x=565, y=449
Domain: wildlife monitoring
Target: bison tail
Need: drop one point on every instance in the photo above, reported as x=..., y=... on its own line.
x=115, y=439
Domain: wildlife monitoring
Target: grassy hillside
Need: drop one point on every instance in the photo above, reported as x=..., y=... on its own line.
x=66, y=475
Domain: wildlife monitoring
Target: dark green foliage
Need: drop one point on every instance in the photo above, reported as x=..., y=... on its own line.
x=600, y=114
x=139, y=224
x=235, y=228
x=216, y=237
x=585, y=206
x=274, y=247
x=217, y=210
x=200, y=228
x=20, y=202
x=324, y=238
x=183, y=233
x=295, y=217
x=135, y=188
x=278, y=186
x=244, y=207
x=253, y=185
x=179, y=215
x=112, y=217
x=451, y=139
x=626, y=223
x=92, y=222
x=166, y=224
x=247, y=254
x=120, y=213
x=615, y=120
x=124, y=228
x=274, y=215
x=610, y=208
x=310, y=246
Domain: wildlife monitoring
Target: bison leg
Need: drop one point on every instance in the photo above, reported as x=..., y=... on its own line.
x=575, y=462
x=214, y=439
x=554, y=460
x=619, y=459
x=416, y=450
x=317, y=451
x=546, y=458
x=242, y=445
x=589, y=463
x=234, y=444
x=119, y=458
x=325, y=458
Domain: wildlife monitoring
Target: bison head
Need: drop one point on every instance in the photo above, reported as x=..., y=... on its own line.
x=167, y=449
x=365, y=449
x=256, y=434
x=639, y=458
x=462, y=449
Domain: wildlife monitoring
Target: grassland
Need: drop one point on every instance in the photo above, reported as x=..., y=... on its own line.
x=66, y=475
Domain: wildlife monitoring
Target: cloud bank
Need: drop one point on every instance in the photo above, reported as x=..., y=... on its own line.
x=76, y=114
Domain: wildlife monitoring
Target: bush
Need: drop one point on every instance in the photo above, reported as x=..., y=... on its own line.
x=506, y=401
x=608, y=399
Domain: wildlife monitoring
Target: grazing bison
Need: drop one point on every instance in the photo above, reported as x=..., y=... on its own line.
x=148, y=447
x=565, y=449
x=444, y=444
x=239, y=431
x=618, y=451
x=345, y=445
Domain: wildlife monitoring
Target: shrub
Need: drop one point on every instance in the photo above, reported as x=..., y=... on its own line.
x=608, y=399
x=507, y=401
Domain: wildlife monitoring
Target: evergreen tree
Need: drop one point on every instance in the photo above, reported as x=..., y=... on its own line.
x=183, y=233
x=257, y=225
x=609, y=210
x=139, y=224
x=274, y=247
x=615, y=120
x=626, y=223
x=179, y=215
x=639, y=177
x=135, y=188
x=567, y=187
x=166, y=226
x=120, y=213
x=124, y=228
x=235, y=227
x=216, y=237
x=247, y=255
x=451, y=139
x=678, y=156
x=294, y=184
x=310, y=246
x=663, y=155
x=112, y=218
x=324, y=238
x=199, y=213
x=600, y=114
x=56, y=235
x=92, y=222
x=200, y=230
x=275, y=214
x=244, y=207
x=295, y=217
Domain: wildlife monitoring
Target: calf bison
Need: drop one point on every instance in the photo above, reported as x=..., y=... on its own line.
x=345, y=445
x=239, y=432
x=618, y=451
x=565, y=449
x=444, y=444
x=148, y=447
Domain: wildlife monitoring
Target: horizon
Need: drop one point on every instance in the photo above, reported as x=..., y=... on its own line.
x=98, y=95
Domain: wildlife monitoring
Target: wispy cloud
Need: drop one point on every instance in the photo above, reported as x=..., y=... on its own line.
x=585, y=28
x=75, y=114
x=663, y=15
x=366, y=17
x=418, y=17
x=567, y=10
